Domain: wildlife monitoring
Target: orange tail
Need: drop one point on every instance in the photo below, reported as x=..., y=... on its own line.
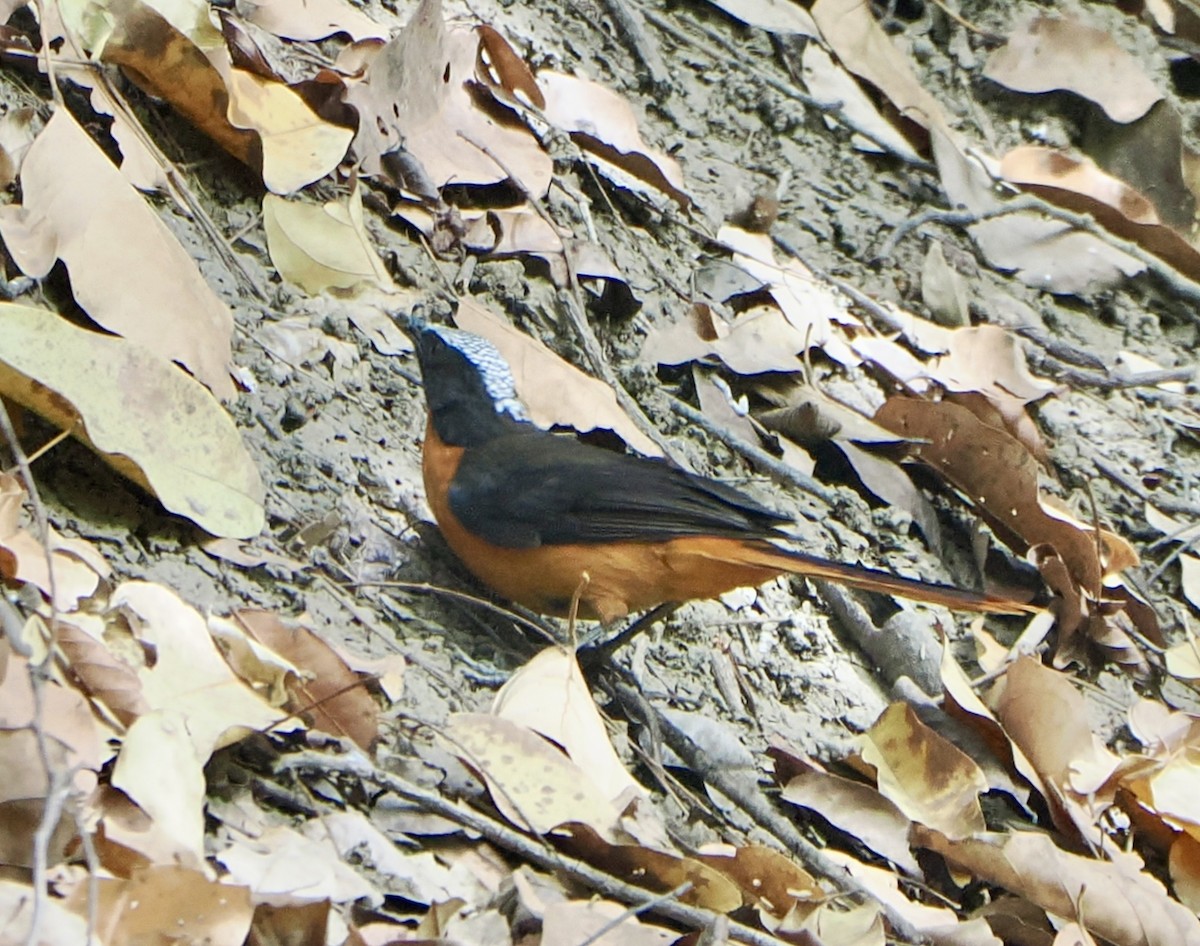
x=859, y=576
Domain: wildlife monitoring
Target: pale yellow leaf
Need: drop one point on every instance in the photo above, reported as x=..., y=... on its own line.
x=146, y=418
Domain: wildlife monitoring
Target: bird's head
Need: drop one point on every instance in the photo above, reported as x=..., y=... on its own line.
x=469, y=387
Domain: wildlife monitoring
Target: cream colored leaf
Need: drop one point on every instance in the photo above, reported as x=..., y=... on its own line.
x=159, y=769
x=864, y=48
x=778, y=16
x=322, y=247
x=146, y=418
x=603, y=123
x=313, y=19
x=550, y=696
x=533, y=784
x=298, y=146
x=127, y=270
x=417, y=98
x=284, y=867
x=826, y=80
x=189, y=675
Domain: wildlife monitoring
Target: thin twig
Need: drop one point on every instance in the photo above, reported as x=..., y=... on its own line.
x=1182, y=285
x=637, y=911
x=754, y=453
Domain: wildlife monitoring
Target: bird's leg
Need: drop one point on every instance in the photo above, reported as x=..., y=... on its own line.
x=594, y=650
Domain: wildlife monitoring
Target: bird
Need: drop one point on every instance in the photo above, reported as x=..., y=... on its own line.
x=571, y=529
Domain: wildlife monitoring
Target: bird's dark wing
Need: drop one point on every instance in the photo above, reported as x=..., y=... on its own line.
x=532, y=488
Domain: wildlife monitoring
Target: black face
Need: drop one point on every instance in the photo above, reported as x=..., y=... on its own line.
x=467, y=386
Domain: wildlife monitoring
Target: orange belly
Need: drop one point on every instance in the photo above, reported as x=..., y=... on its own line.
x=622, y=577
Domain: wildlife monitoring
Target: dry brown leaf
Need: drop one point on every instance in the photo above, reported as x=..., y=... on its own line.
x=550, y=696
x=504, y=72
x=988, y=359
x=73, y=743
x=266, y=671
x=718, y=403
x=940, y=924
x=166, y=52
x=761, y=339
x=16, y=135
x=859, y=810
x=297, y=146
x=998, y=474
x=330, y=694
x=179, y=55
x=556, y=392
x=1073, y=767
x=416, y=99
x=1080, y=186
x=812, y=307
x=145, y=417
x=1052, y=168
x=928, y=778
x=832, y=924
x=1184, y=866
x=888, y=481
x=414, y=875
x=1163, y=781
x=856, y=37
x=601, y=122
x=770, y=881
x=192, y=906
x=534, y=785
x=1190, y=578
x=100, y=673
x=102, y=227
x=299, y=924
x=573, y=921
x=313, y=19
x=1119, y=904
x=1047, y=718
x=807, y=415
x=652, y=870
x=1048, y=53
x=964, y=705
x=1009, y=414
x=943, y=289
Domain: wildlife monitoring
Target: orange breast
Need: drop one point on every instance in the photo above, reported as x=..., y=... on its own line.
x=622, y=577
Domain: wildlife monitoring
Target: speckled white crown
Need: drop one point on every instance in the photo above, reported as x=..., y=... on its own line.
x=497, y=376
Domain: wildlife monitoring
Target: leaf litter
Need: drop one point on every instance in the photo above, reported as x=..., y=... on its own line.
x=131, y=673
